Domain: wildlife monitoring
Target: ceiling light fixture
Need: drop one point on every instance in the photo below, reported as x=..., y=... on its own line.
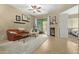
x=35, y=8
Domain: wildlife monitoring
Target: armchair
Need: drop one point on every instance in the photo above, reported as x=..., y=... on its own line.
x=34, y=32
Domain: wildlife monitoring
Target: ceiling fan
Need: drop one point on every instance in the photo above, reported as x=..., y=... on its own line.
x=35, y=8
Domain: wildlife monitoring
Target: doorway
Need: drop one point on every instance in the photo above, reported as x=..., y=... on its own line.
x=42, y=25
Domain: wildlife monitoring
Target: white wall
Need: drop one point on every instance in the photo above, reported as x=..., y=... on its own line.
x=63, y=26
x=72, y=18
x=7, y=18
x=73, y=23
x=48, y=25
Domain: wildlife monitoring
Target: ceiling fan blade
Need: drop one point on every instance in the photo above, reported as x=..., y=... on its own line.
x=31, y=6
x=34, y=7
x=38, y=10
x=33, y=11
x=30, y=9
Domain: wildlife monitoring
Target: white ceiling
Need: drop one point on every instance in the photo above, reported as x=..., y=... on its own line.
x=45, y=8
x=73, y=10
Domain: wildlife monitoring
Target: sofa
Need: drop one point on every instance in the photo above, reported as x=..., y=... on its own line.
x=16, y=34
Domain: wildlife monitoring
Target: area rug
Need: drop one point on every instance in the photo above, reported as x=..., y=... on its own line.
x=24, y=46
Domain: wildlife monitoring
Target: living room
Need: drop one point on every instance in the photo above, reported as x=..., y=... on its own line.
x=20, y=26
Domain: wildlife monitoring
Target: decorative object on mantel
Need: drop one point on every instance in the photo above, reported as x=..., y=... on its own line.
x=53, y=20
x=26, y=19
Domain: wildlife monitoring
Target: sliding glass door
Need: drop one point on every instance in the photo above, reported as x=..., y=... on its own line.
x=42, y=24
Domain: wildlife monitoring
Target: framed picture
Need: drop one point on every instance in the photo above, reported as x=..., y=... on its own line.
x=25, y=18
x=53, y=20
x=18, y=18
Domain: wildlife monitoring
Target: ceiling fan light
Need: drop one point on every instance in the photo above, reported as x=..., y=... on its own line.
x=35, y=8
